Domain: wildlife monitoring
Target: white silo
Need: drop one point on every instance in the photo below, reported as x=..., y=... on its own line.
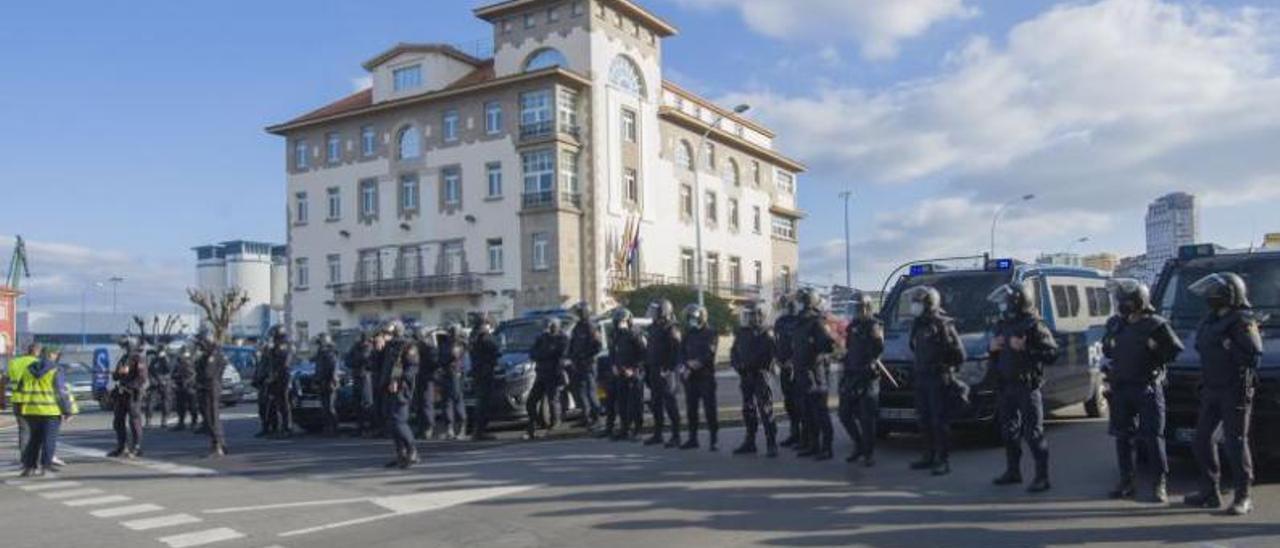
x=211, y=269
x=279, y=277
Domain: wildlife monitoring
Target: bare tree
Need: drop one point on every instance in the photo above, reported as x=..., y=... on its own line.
x=219, y=309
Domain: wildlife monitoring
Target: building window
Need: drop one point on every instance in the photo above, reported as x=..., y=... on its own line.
x=535, y=113
x=539, y=172
x=553, y=14
x=709, y=156
x=409, y=263
x=686, y=266
x=625, y=75
x=712, y=212
x=758, y=273
x=333, y=148
x=493, y=118
x=784, y=279
x=713, y=271
x=784, y=228
x=567, y=107
x=507, y=25
x=335, y=269
x=629, y=133
x=686, y=201
x=731, y=172
x=735, y=272
x=452, y=187
x=684, y=155
x=301, y=274
x=450, y=125
x=370, y=267
x=569, y=172
x=407, y=78
x=541, y=251
x=733, y=213
x=408, y=193
x=410, y=143
x=368, y=141
x=545, y=58
x=755, y=173
x=335, y=203
x=300, y=154
x=630, y=186
x=453, y=258
x=300, y=208
x=578, y=8
x=495, y=255
x=530, y=20
x=786, y=182
x=755, y=219
x=369, y=199
x=493, y=171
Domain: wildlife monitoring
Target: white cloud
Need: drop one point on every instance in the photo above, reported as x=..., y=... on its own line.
x=877, y=25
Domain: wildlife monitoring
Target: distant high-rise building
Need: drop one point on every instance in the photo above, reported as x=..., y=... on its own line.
x=1132, y=267
x=1173, y=220
x=1102, y=261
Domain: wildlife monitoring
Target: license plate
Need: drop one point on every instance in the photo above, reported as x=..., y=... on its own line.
x=898, y=414
x=1184, y=435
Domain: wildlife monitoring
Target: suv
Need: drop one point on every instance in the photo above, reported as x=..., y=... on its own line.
x=1261, y=272
x=1074, y=303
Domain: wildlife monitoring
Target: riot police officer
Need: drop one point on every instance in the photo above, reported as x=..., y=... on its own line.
x=584, y=347
x=548, y=354
x=1230, y=347
x=260, y=382
x=452, y=354
x=1139, y=344
x=424, y=397
x=326, y=379
x=811, y=345
x=184, y=393
x=209, y=368
x=860, y=379
x=752, y=357
x=782, y=327
x=698, y=372
x=360, y=361
x=662, y=357
x=279, y=357
x=627, y=352
x=378, y=374
x=159, y=390
x=1021, y=346
x=938, y=354
x=130, y=376
x=485, y=352
x=400, y=371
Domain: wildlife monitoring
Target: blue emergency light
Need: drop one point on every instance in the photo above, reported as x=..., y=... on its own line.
x=920, y=269
x=1001, y=264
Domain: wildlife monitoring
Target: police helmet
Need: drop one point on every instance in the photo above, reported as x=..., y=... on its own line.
x=784, y=304
x=808, y=299
x=582, y=310
x=324, y=340
x=621, y=315
x=752, y=316
x=861, y=305
x=928, y=299
x=1222, y=290
x=661, y=310
x=129, y=344
x=395, y=328
x=552, y=325
x=1013, y=298
x=695, y=315
x=1131, y=296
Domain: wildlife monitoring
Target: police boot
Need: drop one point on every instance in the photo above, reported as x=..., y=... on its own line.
x=823, y=454
x=1013, y=467
x=1009, y=477
x=1039, y=485
x=1242, y=505
x=926, y=462
x=691, y=443
x=748, y=447
x=789, y=442
x=673, y=443
x=655, y=439
x=771, y=451
x=218, y=451
x=1160, y=491
x=715, y=441
x=1204, y=499
x=1123, y=490
x=409, y=459
x=118, y=452
x=941, y=469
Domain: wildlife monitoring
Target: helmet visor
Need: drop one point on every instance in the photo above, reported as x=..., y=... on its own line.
x=1123, y=286
x=1211, y=285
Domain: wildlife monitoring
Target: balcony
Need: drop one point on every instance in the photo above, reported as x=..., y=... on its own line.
x=548, y=199
x=535, y=131
x=408, y=288
x=725, y=289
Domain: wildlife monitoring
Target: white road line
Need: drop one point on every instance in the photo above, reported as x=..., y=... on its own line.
x=153, y=465
x=162, y=521
x=72, y=493
x=121, y=511
x=97, y=501
x=48, y=486
x=201, y=538
x=404, y=505
x=286, y=505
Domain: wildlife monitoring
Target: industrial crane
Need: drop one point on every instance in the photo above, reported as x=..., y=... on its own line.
x=17, y=266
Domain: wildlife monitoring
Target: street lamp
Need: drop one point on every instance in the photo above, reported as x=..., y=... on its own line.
x=115, y=284
x=1000, y=211
x=848, y=261
x=84, y=297
x=697, y=198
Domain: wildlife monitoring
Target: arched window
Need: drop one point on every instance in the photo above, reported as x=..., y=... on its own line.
x=684, y=155
x=709, y=156
x=409, y=143
x=545, y=58
x=732, y=173
x=626, y=75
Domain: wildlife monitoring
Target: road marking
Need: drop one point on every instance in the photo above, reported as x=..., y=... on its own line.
x=47, y=486
x=72, y=493
x=121, y=511
x=404, y=505
x=153, y=465
x=162, y=521
x=97, y=501
x=331, y=502
x=201, y=538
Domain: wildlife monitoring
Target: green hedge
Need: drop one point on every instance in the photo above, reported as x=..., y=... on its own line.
x=719, y=313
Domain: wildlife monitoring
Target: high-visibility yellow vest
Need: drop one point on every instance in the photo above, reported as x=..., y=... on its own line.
x=18, y=368
x=40, y=395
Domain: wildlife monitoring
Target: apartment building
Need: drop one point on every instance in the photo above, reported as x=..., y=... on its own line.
x=563, y=168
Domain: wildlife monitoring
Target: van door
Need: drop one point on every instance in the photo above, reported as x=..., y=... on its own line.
x=1068, y=380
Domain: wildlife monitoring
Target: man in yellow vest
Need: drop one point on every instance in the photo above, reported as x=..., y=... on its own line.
x=13, y=378
x=44, y=402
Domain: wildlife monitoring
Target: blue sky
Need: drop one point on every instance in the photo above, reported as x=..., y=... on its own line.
x=134, y=129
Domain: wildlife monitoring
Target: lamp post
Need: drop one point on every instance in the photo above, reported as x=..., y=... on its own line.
x=84, y=297
x=697, y=200
x=848, y=260
x=1071, y=246
x=1000, y=211
x=115, y=284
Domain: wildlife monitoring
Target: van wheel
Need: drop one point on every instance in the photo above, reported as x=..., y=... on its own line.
x=1096, y=406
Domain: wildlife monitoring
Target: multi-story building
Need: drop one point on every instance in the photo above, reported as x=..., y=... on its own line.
x=1105, y=262
x=259, y=269
x=1061, y=259
x=1173, y=220
x=563, y=168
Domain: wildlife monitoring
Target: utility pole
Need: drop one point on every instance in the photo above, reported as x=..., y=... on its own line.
x=697, y=200
x=848, y=259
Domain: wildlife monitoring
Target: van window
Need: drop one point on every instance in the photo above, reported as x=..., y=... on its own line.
x=1099, y=300
x=1066, y=301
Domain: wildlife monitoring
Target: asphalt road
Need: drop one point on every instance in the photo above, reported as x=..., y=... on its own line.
x=319, y=492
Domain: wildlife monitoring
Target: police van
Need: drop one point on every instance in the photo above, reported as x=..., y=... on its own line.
x=1073, y=301
x=1261, y=272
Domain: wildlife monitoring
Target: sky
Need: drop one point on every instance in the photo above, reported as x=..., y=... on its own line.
x=133, y=131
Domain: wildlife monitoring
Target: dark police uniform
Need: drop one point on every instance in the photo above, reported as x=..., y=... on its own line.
x=279, y=412
x=782, y=328
x=938, y=352
x=698, y=357
x=584, y=346
x=184, y=394
x=1020, y=407
x=1230, y=348
x=626, y=400
x=1139, y=352
x=260, y=382
x=424, y=396
x=209, y=370
x=548, y=354
x=752, y=356
x=326, y=379
x=860, y=385
x=661, y=359
x=485, y=352
x=400, y=363
x=811, y=342
x=159, y=391
x=131, y=382
x=450, y=378
x=360, y=360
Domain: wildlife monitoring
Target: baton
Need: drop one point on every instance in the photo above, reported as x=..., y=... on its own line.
x=887, y=375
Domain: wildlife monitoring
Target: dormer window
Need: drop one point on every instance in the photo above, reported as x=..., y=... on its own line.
x=545, y=58
x=407, y=78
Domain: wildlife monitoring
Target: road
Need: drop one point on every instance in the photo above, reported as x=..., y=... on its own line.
x=318, y=492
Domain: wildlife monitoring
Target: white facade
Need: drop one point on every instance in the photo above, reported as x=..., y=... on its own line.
x=1173, y=220
x=253, y=267
x=392, y=205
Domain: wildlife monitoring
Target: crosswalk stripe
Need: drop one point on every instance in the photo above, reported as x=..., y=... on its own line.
x=72, y=493
x=121, y=511
x=97, y=501
x=201, y=538
x=162, y=521
x=48, y=486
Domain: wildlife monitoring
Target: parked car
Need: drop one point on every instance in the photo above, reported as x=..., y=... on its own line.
x=244, y=360
x=79, y=381
x=1261, y=272
x=304, y=397
x=1074, y=302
